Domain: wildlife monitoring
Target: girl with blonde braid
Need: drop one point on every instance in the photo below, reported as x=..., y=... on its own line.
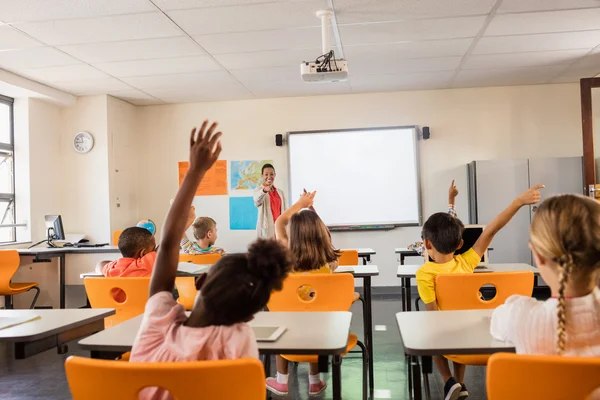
x=565, y=242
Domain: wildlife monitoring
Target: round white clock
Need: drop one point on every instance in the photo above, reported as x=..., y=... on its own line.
x=83, y=142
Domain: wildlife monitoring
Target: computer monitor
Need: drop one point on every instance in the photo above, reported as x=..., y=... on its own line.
x=470, y=236
x=54, y=227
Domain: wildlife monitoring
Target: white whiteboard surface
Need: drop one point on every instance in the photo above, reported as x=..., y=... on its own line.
x=365, y=177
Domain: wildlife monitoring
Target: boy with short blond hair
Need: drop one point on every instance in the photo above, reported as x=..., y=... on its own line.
x=205, y=233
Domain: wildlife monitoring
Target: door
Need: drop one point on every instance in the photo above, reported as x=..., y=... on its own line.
x=499, y=182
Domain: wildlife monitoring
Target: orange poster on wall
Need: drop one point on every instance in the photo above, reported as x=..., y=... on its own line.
x=214, y=181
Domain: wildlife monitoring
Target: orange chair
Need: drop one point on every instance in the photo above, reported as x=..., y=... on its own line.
x=207, y=259
x=116, y=236
x=333, y=292
x=512, y=376
x=350, y=257
x=9, y=263
x=186, y=287
x=91, y=379
x=462, y=292
x=100, y=293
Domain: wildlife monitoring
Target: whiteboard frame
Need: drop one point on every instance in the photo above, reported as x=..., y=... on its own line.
x=385, y=225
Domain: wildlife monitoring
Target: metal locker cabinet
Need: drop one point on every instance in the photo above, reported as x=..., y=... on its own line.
x=559, y=174
x=494, y=184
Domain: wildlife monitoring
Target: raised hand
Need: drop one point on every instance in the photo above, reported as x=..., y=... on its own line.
x=205, y=148
x=530, y=196
x=306, y=199
x=191, y=217
x=452, y=192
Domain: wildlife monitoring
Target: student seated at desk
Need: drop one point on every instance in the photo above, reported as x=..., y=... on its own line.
x=442, y=235
x=310, y=243
x=565, y=242
x=230, y=295
x=452, y=193
x=205, y=232
x=138, y=249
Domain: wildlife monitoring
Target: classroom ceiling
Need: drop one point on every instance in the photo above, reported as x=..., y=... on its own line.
x=174, y=51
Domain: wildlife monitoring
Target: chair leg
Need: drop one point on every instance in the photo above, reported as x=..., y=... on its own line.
x=417, y=303
x=365, y=369
x=8, y=302
x=35, y=297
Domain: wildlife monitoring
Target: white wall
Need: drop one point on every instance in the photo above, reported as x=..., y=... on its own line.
x=466, y=125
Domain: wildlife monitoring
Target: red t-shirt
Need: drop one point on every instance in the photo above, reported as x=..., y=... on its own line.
x=275, y=203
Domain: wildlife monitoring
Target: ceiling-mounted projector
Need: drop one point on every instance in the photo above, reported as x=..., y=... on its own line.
x=325, y=68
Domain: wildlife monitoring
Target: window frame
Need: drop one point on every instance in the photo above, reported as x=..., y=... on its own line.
x=10, y=148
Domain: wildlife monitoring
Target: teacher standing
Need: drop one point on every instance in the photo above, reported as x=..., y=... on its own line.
x=270, y=202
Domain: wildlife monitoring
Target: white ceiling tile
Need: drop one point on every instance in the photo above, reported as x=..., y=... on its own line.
x=269, y=74
x=91, y=86
x=299, y=88
x=36, y=10
x=394, y=51
x=260, y=59
x=34, y=57
x=169, y=5
x=226, y=92
x=490, y=82
x=356, y=11
x=544, y=22
x=369, y=66
x=497, y=74
x=159, y=66
x=105, y=29
x=539, y=42
x=397, y=82
x=11, y=39
x=510, y=6
x=566, y=79
x=531, y=59
x=411, y=30
x=254, y=17
x=182, y=81
x=64, y=73
x=240, y=42
x=134, y=49
x=135, y=97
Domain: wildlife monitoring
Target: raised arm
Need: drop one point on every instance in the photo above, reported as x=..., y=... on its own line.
x=305, y=201
x=205, y=148
x=528, y=197
x=452, y=193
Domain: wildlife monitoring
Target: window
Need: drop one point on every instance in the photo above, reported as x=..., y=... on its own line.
x=7, y=176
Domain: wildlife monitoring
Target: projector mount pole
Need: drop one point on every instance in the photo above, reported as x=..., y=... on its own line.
x=325, y=16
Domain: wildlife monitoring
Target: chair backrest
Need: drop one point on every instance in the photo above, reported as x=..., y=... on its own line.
x=333, y=292
x=116, y=236
x=9, y=262
x=348, y=257
x=91, y=379
x=186, y=287
x=461, y=291
x=200, y=258
x=516, y=376
x=101, y=293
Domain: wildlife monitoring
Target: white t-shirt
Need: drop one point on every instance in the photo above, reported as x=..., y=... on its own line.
x=531, y=325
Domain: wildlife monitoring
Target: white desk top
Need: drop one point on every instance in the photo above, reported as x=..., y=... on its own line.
x=364, y=251
x=399, y=250
x=409, y=271
x=51, y=322
x=429, y=333
x=359, y=271
x=41, y=250
x=301, y=337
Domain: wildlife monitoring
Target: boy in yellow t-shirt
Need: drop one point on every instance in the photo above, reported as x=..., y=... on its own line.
x=442, y=236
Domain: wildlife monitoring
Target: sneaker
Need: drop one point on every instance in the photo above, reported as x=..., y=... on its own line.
x=273, y=386
x=452, y=389
x=317, y=388
x=464, y=393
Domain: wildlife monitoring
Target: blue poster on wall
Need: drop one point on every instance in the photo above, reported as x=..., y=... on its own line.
x=242, y=213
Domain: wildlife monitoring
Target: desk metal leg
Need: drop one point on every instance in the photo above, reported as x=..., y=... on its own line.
x=368, y=321
x=61, y=279
x=407, y=360
x=337, y=377
x=426, y=369
x=408, y=294
x=416, y=377
x=366, y=259
x=267, y=364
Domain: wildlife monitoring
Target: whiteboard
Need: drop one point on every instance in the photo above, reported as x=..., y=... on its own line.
x=364, y=178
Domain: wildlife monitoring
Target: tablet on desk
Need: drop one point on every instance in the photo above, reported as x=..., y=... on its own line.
x=268, y=333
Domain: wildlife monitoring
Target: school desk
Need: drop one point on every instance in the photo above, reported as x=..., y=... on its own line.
x=300, y=337
x=364, y=253
x=404, y=252
x=54, y=328
x=432, y=333
x=44, y=254
x=408, y=272
x=183, y=269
